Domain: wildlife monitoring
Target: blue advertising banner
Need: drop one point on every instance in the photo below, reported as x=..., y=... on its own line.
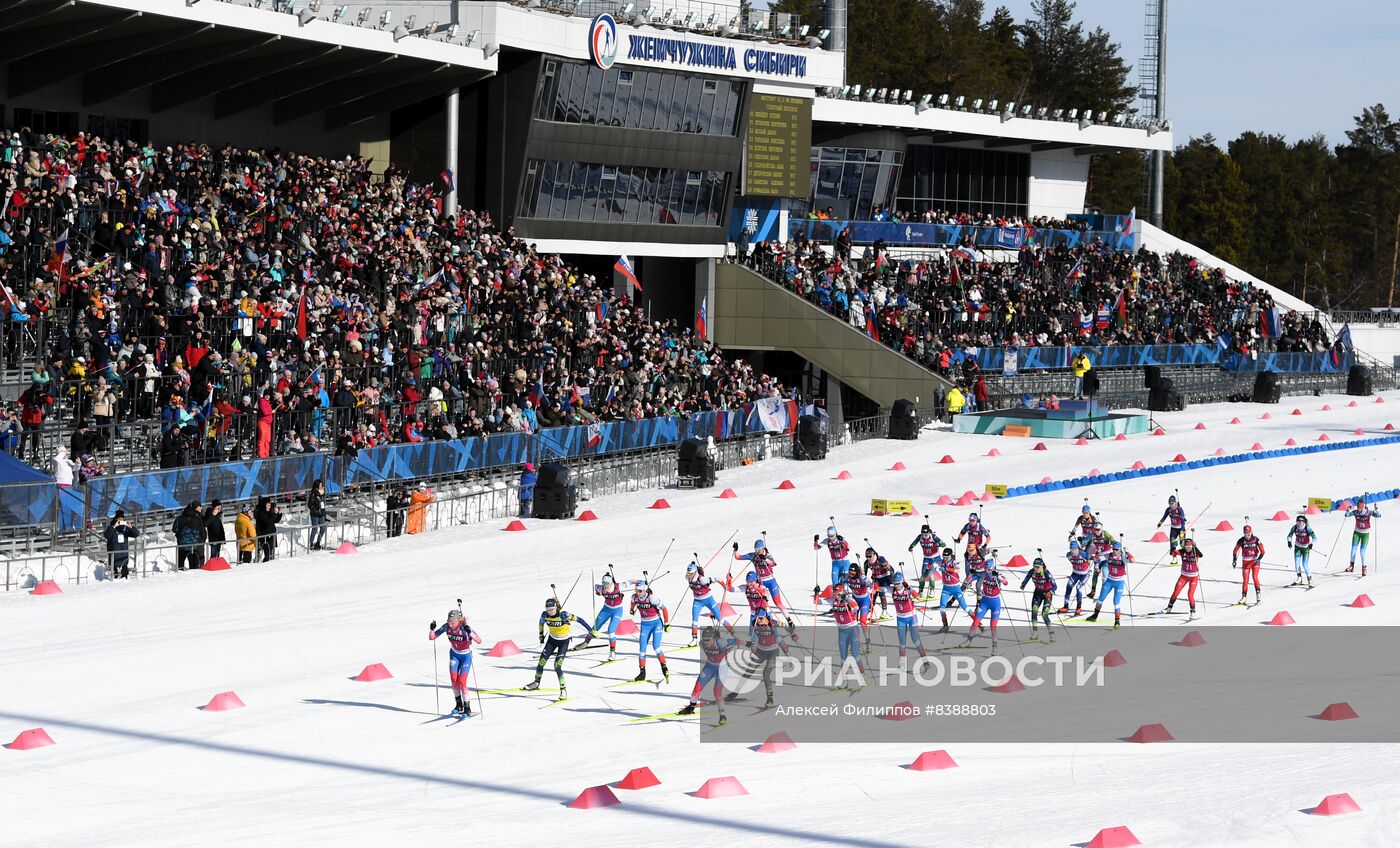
x=947, y=235
x=1137, y=356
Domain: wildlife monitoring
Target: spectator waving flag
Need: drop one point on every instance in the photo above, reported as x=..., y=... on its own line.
x=1126, y=228
x=595, y=434
x=301, y=316
x=1074, y=273
x=448, y=181
x=623, y=267
x=59, y=260
x=700, y=327
x=430, y=281
x=1344, y=336
x=1121, y=307
x=963, y=252
x=1269, y=325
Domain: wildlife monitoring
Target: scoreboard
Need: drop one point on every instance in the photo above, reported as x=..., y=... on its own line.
x=778, y=146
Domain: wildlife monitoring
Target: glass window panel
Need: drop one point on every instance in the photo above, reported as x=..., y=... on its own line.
x=540, y=203
x=546, y=77
x=705, y=116
x=736, y=105
x=865, y=201
x=653, y=87
x=561, y=189
x=574, y=196
x=528, y=188
x=605, y=100
x=607, y=186
x=634, y=102
x=561, y=91
x=635, y=185
x=588, y=113
x=589, y=210
x=666, y=102
x=719, y=114
x=692, y=105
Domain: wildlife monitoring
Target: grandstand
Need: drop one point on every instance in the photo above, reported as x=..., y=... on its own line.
x=274, y=242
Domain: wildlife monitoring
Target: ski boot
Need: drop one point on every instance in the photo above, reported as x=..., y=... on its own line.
x=1193, y=611
x=532, y=685
x=612, y=654
x=665, y=673
x=641, y=675
x=730, y=697
x=768, y=704
x=1051, y=632
x=563, y=693
x=1033, y=634
x=467, y=709
x=1256, y=596
x=1078, y=608
x=1168, y=609
x=457, y=708
x=944, y=628
x=1117, y=621
x=722, y=719
x=994, y=645
x=1093, y=616
x=1363, y=569
x=1309, y=581
x=688, y=709
x=584, y=644
x=1062, y=610
x=694, y=640
x=1350, y=568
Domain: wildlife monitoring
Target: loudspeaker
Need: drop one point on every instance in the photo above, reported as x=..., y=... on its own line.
x=810, y=439
x=694, y=465
x=555, y=497
x=1151, y=376
x=1360, y=381
x=1165, y=398
x=1266, y=388
x=1091, y=383
x=904, y=420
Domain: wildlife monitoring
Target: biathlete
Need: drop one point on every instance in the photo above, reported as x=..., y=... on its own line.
x=460, y=638
x=612, y=594
x=840, y=552
x=1248, y=553
x=1361, y=533
x=654, y=617
x=1084, y=524
x=881, y=574
x=990, y=604
x=1301, y=538
x=903, y=596
x=1079, y=568
x=558, y=623
x=763, y=563
x=1115, y=567
x=702, y=598
x=952, y=588
x=929, y=543
x=860, y=587
x=767, y=641
x=715, y=650
x=1043, y=598
x=975, y=531
x=846, y=612
x=1190, y=574
x=1177, y=516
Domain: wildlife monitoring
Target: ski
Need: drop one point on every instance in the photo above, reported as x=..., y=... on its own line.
x=510, y=691
x=658, y=681
x=666, y=716
x=557, y=702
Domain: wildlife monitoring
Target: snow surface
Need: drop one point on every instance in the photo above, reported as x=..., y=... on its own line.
x=116, y=672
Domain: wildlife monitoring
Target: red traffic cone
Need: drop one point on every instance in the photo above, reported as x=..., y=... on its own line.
x=1138, y=465
x=898, y=466
x=1194, y=639
x=515, y=526
x=217, y=563
x=1358, y=432
x=638, y=778
x=29, y=739
x=776, y=744
x=1113, y=837
x=1338, y=712
x=932, y=761
x=222, y=702
x=659, y=503
x=1200, y=425
x=1326, y=408
x=1151, y=733
x=504, y=648
x=1158, y=537
x=728, y=493
x=373, y=672
x=1224, y=526
x=1256, y=446
x=943, y=500
x=1013, y=684
x=1234, y=420
x=627, y=627
x=1265, y=417
x=786, y=484
x=1121, y=437
x=1093, y=472
x=46, y=587
x=594, y=797
x=987, y=496
x=1219, y=451
x=587, y=515
x=727, y=612
x=1016, y=561
x=1279, y=516
x=1352, y=404
x=946, y=460
x=1336, y=805
x=844, y=475
x=1296, y=412
x=1282, y=619
x=1380, y=400
x=1362, y=601
x=993, y=452
x=903, y=711
x=1040, y=446
x=964, y=500
x=1081, y=441
x=1312, y=510
x=721, y=787
x=1179, y=458
x=1324, y=438
x=1045, y=480
x=1159, y=432
x=1113, y=659
x=345, y=548
x=1388, y=427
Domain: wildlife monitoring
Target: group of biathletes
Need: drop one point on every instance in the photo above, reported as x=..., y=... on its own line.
x=856, y=587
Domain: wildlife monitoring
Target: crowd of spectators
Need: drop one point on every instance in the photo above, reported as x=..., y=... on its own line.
x=259, y=302
x=966, y=219
x=938, y=310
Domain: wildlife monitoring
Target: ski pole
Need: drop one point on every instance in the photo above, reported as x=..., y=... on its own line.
x=571, y=591
x=693, y=558
x=667, y=551
x=437, y=694
x=1340, y=528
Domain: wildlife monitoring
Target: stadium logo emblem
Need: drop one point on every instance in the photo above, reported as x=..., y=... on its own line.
x=602, y=41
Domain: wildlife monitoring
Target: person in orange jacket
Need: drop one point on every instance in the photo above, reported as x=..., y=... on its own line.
x=418, y=509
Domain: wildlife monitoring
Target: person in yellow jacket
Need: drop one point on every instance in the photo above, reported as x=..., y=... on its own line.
x=418, y=509
x=246, y=533
x=954, y=401
x=1080, y=365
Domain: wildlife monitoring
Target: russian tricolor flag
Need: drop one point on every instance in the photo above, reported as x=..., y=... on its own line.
x=700, y=329
x=623, y=266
